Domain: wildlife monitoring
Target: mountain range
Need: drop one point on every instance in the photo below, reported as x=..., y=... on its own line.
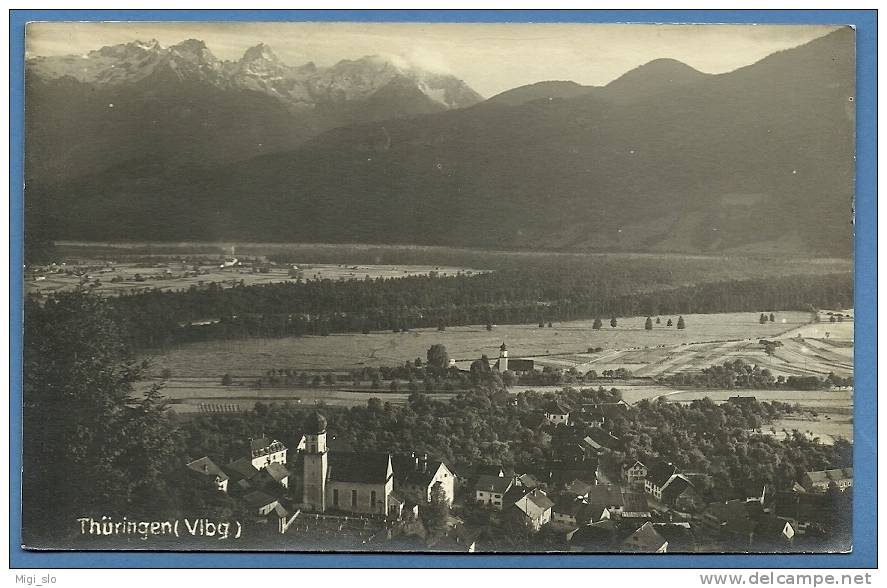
x=144, y=104
x=664, y=158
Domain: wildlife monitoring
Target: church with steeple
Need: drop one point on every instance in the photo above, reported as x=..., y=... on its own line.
x=364, y=483
x=344, y=481
x=503, y=364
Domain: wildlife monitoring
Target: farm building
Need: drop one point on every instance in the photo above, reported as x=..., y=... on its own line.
x=820, y=481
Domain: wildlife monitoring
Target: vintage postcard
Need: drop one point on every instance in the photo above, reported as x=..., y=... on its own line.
x=439, y=287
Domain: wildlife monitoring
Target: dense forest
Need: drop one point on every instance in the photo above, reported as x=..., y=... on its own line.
x=512, y=295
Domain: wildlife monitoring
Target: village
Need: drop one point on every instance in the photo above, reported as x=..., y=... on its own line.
x=324, y=492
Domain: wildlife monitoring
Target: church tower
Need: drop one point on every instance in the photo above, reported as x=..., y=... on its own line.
x=315, y=464
x=503, y=358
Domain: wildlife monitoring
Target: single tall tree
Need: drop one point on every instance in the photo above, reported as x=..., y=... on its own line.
x=681, y=324
x=648, y=324
x=437, y=359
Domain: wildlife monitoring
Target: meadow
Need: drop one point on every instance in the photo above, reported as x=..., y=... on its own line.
x=563, y=344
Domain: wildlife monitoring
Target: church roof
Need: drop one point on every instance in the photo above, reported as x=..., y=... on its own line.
x=361, y=468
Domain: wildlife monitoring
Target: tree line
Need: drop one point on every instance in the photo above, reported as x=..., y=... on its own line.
x=526, y=295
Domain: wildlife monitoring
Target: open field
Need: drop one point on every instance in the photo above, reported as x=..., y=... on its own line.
x=825, y=426
x=195, y=386
x=204, y=395
x=174, y=266
x=708, y=339
x=176, y=274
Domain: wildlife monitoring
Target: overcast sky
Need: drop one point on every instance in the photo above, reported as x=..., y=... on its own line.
x=491, y=58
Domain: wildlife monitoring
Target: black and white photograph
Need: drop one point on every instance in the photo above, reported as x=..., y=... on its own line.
x=439, y=287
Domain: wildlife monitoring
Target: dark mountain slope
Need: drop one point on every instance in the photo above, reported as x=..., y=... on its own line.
x=734, y=161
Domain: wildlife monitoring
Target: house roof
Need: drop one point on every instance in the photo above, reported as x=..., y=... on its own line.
x=679, y=535
x=241, y=469
x=579, y=487
x=592, y=513
x=825, y=476
x=630, y=464
x=634, y=502
x=605, y=495
x=259, y=443
x=531, y=503
x=731, y=512
x=528, y=480
x=207, y=467
x=258, y=499
x=540, y=499
x=801, y=507
x=489, y=470
x=644, y=539
x=589, y=442
x=598, y=438
x=555, y=407
x=660, y=472
x=564, y=473
x=277, y=471
x=487, y=483
x=414, y=470
x=675, y=488
x=566, y=505
x=607, y=410
x=361, y=468
x=598, y=535
x=772, y=528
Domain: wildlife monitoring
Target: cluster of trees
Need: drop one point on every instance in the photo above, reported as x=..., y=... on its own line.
x=486, y=425
x=740, y=374
x=517, y=295
x=721, y=441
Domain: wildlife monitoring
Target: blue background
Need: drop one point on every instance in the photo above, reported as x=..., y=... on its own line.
x=865, y=418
